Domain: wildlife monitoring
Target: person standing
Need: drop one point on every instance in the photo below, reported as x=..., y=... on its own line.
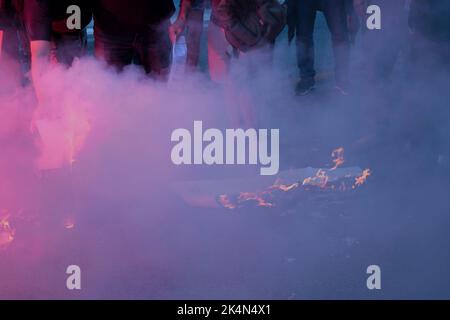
x=134, y=31
x=50, y=31
x=52, y=36
x=301, y=21
x=235, y=26
x=238, y=28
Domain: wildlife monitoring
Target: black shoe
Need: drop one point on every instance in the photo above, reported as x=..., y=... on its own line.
x=304, y=87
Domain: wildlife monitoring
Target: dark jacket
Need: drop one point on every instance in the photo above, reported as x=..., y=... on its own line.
x=130, y=16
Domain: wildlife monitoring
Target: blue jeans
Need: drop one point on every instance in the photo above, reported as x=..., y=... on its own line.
x=335, y=12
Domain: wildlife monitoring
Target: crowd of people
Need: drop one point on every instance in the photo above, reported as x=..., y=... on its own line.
x=33, y=32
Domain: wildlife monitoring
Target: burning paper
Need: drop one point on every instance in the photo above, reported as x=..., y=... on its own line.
x=263, y=192
x=232, y=193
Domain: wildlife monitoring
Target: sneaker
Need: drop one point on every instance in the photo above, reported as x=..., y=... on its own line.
x=304, y=87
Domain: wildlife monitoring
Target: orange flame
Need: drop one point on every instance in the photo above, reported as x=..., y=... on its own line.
x=284, y=187
x=251, y=196
x=338, y=158
x=226, y=202
x=359, y=181
x=319, y=180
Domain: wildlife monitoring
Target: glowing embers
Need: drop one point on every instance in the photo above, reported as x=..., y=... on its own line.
x=7, y=233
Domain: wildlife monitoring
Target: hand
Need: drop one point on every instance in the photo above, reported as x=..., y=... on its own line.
x=176, y=29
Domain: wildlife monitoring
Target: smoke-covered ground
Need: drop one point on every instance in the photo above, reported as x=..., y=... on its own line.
x=114, y=213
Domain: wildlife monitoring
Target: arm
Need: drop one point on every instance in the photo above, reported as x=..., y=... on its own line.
x=2, y=14
x=1, y=42
x=40, y=50
x=39, y=26
x=180, y=24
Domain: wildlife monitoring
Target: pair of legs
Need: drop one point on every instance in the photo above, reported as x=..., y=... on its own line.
x=150, y=48
x=220, y=53
x=335, y=12
x=194, y=35
x=234, y=70
x=66, y=47
x=14, y=53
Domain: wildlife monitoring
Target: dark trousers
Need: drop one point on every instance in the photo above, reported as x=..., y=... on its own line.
x=193, y=38
x=150, y=48
x=15, y=57
x=66, y=47
x=335, y=12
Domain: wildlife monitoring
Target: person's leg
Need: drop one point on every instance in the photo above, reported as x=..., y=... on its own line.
x=115, y=50
x=10, y=59
x=220, y=53
x=336, y=17
x=305, y=43
x=66, y=47
x=1, y=43
x=155, y=51
x=193, y=38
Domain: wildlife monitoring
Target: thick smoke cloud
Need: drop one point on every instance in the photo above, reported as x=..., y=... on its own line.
x=114, y=213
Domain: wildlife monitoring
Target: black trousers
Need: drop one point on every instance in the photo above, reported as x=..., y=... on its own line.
x=193, y=38
x=150, y=48
x=66, y=47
